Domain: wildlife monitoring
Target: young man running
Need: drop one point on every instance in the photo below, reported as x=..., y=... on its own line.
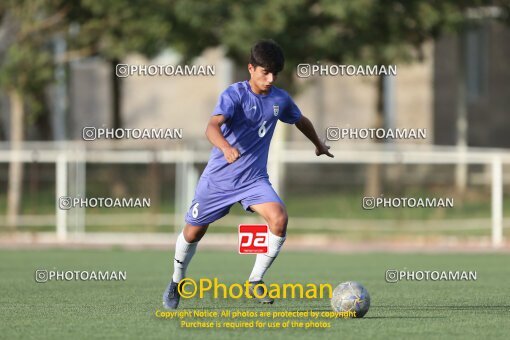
x=241, y=128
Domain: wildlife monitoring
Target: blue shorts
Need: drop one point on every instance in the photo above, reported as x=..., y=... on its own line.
x=212, y=203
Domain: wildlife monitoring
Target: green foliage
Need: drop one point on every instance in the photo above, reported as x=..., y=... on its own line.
x=26, y=60
x=339, y=31
x=115, y=28
x=365, y=31
x=25, y=67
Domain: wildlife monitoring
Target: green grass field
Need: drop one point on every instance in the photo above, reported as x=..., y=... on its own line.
x=76, y=309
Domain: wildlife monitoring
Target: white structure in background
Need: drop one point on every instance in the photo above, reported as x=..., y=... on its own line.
x=73, y=155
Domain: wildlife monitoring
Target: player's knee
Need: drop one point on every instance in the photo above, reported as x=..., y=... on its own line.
x=193, y=234
x=278, y=223
x=282, y=219
x=191, y=237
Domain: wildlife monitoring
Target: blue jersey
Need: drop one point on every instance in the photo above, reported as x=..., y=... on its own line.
x=249, y=126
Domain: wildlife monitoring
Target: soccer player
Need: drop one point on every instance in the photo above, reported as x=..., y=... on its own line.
x=240, y=128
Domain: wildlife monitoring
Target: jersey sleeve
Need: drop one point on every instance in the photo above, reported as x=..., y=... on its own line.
x=291, y=113
x=226, y=104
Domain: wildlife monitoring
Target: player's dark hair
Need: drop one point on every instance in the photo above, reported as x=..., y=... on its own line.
x=267, y=54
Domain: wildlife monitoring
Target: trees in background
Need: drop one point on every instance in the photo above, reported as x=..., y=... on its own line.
x=327, y=31
x=310, y=31
x=26, y=67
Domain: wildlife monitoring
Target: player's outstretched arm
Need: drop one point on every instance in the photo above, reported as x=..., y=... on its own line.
x=213, y=133
x=306, y=127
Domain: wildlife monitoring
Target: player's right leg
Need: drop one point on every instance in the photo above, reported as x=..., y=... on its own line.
x=185, y=248
x=209, y=205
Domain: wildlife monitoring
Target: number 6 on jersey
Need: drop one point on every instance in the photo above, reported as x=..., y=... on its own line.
x=262, y=129
x=194, y=211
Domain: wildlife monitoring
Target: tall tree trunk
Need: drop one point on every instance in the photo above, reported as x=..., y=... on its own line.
x=15, y=167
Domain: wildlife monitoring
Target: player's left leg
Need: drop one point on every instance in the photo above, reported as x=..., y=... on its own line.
x=260, y=197
x=276, y=217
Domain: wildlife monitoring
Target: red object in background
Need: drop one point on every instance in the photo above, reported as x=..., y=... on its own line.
x=253, y=238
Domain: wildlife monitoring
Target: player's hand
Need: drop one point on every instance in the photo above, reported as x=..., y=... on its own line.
x=231, y=154
x=323, y=149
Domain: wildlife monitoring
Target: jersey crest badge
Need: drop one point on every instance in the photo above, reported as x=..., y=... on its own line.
x=276, y=109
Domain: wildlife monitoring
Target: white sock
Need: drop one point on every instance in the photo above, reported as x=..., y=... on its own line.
x=264, y=261
x=184, y=251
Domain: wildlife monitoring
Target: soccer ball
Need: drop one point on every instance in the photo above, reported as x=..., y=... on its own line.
x=351, y=296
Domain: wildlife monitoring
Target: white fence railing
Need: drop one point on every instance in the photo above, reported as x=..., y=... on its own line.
x=76, y=154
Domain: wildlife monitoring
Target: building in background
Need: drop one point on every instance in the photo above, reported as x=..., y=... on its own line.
x=485, y=53
x=425, y=94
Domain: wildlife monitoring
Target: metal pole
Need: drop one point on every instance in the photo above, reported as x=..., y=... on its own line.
x=179, y=181
x=61, y=191
x=497, y=202
x=389, y=103
x=461, y=169
x=60, y=94
x=81, y=188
